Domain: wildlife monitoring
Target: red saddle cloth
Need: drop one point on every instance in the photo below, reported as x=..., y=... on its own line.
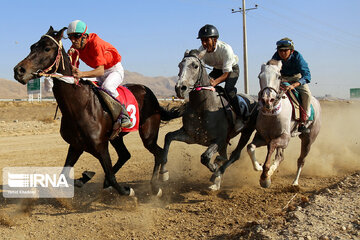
x=128, y=99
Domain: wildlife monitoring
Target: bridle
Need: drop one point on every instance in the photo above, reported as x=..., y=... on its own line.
x=197, y=86
x=56, y=63
x=279, y=95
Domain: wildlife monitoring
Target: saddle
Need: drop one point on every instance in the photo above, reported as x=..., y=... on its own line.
x=298, y=112
x=114, y=105
x=246, y=102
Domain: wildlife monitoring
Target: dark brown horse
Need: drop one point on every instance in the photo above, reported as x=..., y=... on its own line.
x=85, y=124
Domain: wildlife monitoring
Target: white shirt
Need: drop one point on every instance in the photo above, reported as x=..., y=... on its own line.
x=222, y=57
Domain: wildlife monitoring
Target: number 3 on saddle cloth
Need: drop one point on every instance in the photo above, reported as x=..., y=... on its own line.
x=298, y=113
x=127, y=99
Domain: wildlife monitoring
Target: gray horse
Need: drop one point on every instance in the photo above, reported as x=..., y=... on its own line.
x=208, y=119
x=275, y=125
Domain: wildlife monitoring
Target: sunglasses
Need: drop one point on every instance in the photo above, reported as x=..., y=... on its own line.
x=75, y=36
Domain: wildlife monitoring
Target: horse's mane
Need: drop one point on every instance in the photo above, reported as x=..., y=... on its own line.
x=194, y=52
x=272, y=62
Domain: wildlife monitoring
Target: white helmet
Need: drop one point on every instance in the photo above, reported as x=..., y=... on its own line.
x=77, y=26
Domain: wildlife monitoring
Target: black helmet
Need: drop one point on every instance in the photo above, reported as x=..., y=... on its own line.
x=208, y=31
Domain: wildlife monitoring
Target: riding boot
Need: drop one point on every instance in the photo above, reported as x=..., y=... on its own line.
x=123, y=121
x=302, y=125
x=303, y=129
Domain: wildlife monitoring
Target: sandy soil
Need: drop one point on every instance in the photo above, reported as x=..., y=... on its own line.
x=187, y=210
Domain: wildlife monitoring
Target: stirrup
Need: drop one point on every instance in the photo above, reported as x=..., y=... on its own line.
x=125, y=122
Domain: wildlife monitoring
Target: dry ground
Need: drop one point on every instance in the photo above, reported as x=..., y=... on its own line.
x=240, y=210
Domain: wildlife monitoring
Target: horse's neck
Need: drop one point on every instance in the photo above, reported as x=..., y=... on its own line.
x=204, y=99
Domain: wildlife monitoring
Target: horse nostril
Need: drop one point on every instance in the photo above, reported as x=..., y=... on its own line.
x=183, y=88
x=21, y=70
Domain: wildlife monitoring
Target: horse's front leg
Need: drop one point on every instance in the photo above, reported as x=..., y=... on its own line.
x=71, y=158
x=279, y=157
x=278, y=144
x=235, y=155
x=178, y=135
x=206, y=156
x=258, y=141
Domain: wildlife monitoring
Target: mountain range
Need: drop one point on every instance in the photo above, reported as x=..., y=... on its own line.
x=162, y=86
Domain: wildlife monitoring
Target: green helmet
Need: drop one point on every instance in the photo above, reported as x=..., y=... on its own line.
x=285, y=43
x=77, y=26
x=208, y=31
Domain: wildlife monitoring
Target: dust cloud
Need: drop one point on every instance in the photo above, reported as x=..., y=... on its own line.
x=336, y=151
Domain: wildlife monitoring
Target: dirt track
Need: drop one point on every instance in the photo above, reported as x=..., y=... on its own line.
x=29, y=137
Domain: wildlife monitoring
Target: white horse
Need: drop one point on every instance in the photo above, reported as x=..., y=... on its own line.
x=275, y=125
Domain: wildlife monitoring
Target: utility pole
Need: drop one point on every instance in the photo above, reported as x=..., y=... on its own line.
x=243, y=10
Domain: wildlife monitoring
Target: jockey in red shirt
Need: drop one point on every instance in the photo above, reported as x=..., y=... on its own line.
x=105, y=61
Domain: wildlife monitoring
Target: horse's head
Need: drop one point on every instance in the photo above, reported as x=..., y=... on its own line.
x=270, y=79
x=43, y=55
x=191, y=73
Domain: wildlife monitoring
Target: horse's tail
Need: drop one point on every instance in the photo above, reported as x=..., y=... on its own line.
x=172, y=113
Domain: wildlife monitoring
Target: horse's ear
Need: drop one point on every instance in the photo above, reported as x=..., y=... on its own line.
x=263, y=67
x=60, y=34
x=202, y=54
x=279, y=64
x=51, y=29
x=186, y=52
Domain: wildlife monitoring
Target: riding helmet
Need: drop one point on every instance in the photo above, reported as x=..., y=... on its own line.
x=285, y=43
x=208, y=31
x=77, y=26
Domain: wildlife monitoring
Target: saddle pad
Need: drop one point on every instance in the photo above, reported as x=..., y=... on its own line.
x=246, y=111
x=128, y=99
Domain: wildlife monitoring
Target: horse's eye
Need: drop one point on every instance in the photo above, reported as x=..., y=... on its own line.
x=194, y=65
x=47, y=49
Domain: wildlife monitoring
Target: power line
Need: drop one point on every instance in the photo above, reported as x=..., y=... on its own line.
x=319, y=36
x=317, y=20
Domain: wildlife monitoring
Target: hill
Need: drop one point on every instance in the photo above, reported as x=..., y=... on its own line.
x=161, y=86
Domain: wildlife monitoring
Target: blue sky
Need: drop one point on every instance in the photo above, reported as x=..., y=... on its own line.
x=152, y=36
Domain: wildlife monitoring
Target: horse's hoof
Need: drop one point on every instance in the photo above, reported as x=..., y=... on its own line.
x=160, y=193
x=217, y=183
x=214, y=187
x=88, y=175
x=164, y=176
x=265, y=183
x=132, y=193
x=78, y=183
